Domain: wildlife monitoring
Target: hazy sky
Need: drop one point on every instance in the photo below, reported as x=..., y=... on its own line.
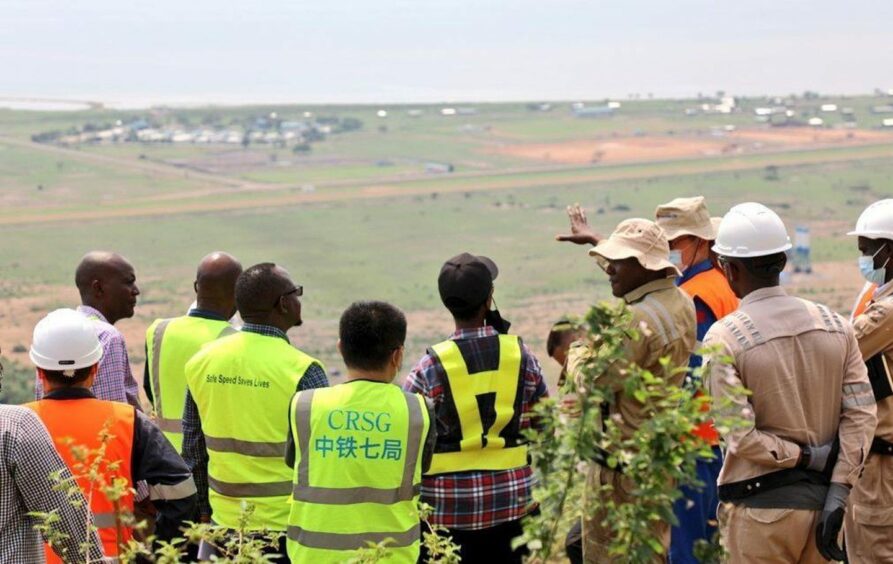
x=435, y=50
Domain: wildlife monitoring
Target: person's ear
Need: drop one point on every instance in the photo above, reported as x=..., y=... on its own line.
x=96, y=286
x=195, y=286
x=338, y=345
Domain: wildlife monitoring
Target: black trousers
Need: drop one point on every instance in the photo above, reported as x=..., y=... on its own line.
x=485, y=546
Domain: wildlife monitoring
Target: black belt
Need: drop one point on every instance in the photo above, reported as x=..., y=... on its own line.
x=601, y=458
x=880, y=446
x=745, y=488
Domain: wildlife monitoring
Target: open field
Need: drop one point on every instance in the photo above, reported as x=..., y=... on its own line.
x=359, y=218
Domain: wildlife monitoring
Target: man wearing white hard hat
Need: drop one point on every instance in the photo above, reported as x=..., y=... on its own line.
x=869, y=518
x=66, y=351
x=636, y=260
x=691, y=231
x=790, y=369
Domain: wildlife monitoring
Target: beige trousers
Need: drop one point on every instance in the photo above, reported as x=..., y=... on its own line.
x=768, y=536
x=868, y=527
x=597, y=538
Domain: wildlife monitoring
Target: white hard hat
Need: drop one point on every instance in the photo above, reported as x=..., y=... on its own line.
x=65, y=340
x=751, y=230
x=876, y=222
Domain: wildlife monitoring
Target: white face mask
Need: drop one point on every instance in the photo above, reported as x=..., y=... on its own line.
x=676, y=258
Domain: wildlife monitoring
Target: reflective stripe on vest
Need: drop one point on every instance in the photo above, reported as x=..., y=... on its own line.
x=170, y=345
x=303, y=491
x=339, y=541
x=79, y=422
x=479, y=448
x=357, y=475
x=242, y=385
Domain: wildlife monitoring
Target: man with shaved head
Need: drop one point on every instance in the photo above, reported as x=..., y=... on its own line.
x=170, y=343
x=107, y=285
x=235, y=420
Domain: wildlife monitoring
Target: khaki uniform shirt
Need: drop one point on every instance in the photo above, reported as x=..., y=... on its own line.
x=664, y=317
x=808, y=384
x=874, y=331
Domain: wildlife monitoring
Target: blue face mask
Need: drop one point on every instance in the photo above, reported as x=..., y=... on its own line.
x=869, y=272
x=676, y=259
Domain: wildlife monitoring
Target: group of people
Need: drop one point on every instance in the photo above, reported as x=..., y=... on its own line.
x=241, y=416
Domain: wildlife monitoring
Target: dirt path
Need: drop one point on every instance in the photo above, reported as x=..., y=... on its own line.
x=586, y=176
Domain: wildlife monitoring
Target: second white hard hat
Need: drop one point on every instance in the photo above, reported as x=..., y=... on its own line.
x=876, y=222
x=751, y=230
x=65, y=340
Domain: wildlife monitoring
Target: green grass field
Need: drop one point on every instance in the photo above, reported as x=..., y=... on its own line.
x=381, y=232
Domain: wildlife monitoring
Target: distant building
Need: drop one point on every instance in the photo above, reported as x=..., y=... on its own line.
x=438, y=168
x=593, y=111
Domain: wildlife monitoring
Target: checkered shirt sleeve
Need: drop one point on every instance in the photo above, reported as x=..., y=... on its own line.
x=27, y=459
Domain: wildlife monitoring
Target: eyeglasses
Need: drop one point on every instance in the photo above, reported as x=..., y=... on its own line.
x=299, y=290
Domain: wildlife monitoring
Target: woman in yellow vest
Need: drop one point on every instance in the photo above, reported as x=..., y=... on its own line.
x=358, y=449
x=66, y=351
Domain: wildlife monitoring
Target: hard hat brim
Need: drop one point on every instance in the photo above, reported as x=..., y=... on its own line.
x=733, y=253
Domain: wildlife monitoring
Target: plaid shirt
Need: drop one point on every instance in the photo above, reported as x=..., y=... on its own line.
x=27, y=458
x=195, y=453
x=114, y=381
x=477, y=499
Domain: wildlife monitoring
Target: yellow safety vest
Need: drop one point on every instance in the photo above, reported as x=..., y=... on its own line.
x=242, y=385
x=357, y=474
x=493, y=397
x=170, y=343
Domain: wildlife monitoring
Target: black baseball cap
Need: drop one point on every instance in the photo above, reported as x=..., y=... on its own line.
x=465, y=281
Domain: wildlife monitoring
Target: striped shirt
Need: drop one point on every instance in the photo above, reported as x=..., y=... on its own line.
x=476, y=499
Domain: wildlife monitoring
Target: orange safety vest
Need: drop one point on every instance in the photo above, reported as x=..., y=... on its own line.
x=81, y=421
x=712, y=288
x=862, y=301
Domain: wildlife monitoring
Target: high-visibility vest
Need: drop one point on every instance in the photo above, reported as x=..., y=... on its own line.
x=492, y=396
x=863, y=299
x=242, y=385
x=79, y=422
x=713, y=289
x=358, y=471
x=170, y=343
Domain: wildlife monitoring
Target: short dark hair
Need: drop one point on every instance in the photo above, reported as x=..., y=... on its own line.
x=370, y=332
x=561, y=330
x=257, y=288
x=765, y=268
x=463, y=312
x=57, y=378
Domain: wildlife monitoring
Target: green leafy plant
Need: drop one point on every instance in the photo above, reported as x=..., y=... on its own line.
x=657, y=457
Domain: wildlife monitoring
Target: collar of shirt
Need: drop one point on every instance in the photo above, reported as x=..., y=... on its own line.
x=694, y=270
x=763, y=293
x=645, y=289
x=69, y=392
x=267, y=330
x=92, y=312
x=882, y=291
x=476, y=333
x=205, y=314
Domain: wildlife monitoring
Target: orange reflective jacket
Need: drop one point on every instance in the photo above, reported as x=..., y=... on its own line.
x=82, y=421
x=712, y=288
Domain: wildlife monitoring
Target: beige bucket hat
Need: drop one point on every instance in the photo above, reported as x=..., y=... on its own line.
x=687, y=216
x=640, y=239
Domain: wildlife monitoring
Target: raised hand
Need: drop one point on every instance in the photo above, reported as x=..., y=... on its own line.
x=581, y=233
